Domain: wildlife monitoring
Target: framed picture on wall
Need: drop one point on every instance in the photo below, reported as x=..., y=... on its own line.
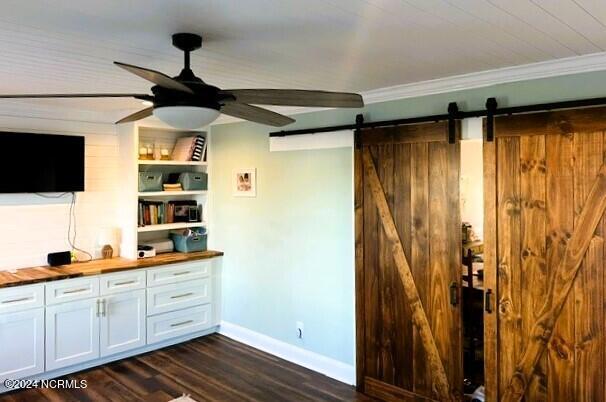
x=245, y=182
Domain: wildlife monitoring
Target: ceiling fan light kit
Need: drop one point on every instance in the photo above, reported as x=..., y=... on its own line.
x=187, y=102
x=186, y=117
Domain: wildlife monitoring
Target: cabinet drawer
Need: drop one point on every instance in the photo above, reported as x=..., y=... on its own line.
x=21, y=298
x=170, y=325
x=178, y=296
x=72, y=289
x=178, y=273
x=120, y=282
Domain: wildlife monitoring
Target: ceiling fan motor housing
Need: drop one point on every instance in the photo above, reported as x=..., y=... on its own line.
x=204, y=96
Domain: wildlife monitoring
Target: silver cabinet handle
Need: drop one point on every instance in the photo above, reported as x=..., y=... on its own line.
x=104, y=308
x=98, y=307
x=183, y=295
x=65, y=292
x=17, y=300
x=178, y=324
x=181, y=273
x=124, y=283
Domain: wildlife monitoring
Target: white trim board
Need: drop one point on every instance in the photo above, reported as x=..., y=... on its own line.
x=334, y=139
x=330, y=367
x=525, y=72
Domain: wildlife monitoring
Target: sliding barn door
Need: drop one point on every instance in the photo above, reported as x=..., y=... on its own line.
x=408, y=263
x=545, y=188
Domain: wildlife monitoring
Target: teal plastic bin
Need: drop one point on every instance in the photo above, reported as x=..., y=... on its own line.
x=150, y=181
x=189, y=241
x=193, y=181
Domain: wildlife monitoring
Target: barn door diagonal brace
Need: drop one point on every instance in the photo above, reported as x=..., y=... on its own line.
x=419, y=318
x=559, y=289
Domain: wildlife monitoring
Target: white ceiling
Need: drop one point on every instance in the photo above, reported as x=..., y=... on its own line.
x=349, y=45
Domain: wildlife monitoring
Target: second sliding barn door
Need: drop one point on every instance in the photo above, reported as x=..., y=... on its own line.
x=545, y=193
x=408, y=262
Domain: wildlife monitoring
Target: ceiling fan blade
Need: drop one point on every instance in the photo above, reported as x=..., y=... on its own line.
x=256, y=114
x=34, y=96
x=295, y=97
x=156, y=77
x=141, y=114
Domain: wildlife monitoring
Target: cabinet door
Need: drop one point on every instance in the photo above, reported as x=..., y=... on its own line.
x=22, y=340
x=122, y=322
x=72, y=333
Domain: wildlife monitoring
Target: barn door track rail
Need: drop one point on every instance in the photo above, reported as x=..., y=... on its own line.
x=453, y=113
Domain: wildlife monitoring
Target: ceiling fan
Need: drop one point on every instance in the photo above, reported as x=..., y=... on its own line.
x=187, y=102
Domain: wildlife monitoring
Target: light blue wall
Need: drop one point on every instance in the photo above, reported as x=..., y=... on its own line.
x=289, y=252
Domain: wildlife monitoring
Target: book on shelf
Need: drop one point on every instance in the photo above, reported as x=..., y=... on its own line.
x=153, y=212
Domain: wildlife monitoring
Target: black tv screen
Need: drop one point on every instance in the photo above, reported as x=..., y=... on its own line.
x=41, y=163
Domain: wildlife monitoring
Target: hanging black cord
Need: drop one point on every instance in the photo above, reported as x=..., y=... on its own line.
x=71, y=240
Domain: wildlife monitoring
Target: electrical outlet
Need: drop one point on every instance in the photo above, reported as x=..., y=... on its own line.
x=300, y=328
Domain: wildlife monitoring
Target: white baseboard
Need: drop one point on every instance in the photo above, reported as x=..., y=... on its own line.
x=330, y=367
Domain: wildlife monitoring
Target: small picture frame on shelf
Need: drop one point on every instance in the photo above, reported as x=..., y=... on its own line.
x=245, y=182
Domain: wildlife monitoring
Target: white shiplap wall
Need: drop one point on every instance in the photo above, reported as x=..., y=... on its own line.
x=31, y=226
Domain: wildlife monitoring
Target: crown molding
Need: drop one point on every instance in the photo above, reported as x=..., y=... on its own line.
x=526, y=72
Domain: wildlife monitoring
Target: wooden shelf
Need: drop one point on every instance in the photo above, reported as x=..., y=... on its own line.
x=170, y=193
x=171, y=163
x=170, y=226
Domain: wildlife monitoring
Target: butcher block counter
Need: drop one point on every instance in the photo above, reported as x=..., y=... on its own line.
x=26, y=276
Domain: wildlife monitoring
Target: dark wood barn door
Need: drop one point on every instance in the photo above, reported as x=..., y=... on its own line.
x=408, y=261
x=545, y=194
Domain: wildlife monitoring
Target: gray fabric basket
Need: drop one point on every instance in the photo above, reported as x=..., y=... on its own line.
x=193, y=181
x=150, y=181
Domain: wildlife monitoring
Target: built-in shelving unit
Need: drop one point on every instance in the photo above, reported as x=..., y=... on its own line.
x=131, y=137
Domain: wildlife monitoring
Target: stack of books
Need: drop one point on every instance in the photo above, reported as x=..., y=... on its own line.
x=172, y=187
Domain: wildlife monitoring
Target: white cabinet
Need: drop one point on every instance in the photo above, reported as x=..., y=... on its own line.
x=72, y=333
x=21, y=344
x=88, y=320
x=122, y=322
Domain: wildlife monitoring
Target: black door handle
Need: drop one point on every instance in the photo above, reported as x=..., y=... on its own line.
x=488, y=301
x=454, y=294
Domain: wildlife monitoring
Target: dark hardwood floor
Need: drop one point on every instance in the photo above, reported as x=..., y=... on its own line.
x=212, y=368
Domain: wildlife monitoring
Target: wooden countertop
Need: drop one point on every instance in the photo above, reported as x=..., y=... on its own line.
x=26, y=276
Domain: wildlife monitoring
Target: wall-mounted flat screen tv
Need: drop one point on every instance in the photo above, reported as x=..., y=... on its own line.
x=41, y=163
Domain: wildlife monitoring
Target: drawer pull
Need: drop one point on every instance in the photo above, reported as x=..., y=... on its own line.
x=17, y=300
x=75, y=291
x=183, y=295
x=178, y=324
x=181, y=273
x=125, y=283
